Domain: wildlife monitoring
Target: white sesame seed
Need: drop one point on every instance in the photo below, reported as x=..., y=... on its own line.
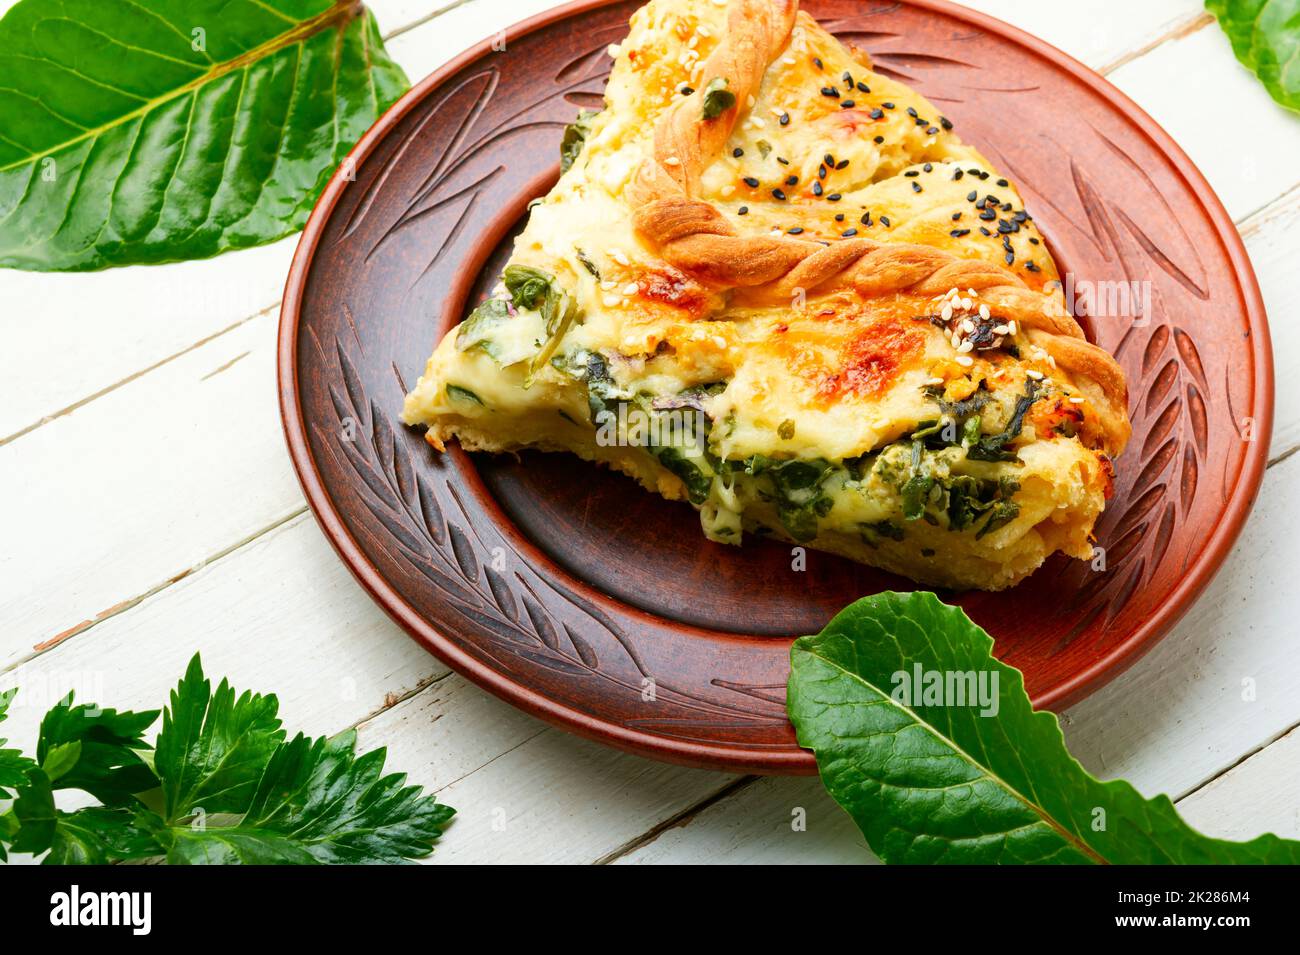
x=704, y=31
x=631, y=288
x=1001, y=330
x=750, y=101
x=608, y=285
x=1076, y=400
x=965, y=361
x=972, y=293
x=789, y=60
x=967, y=326
x=610, y=301
x=965, y=347
x=946, y=314
x=672, y=161
x=694, y=42
x=614, y=49
x=935, y=381
x=1011, y=328
x=778, y=112
x=619, y=257
x=984, y=312
x=1036, y=375
x=967, y=304
x=759, y=122
x=719, y=341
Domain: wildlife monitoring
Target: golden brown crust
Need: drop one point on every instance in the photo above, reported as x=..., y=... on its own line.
x=693, y=236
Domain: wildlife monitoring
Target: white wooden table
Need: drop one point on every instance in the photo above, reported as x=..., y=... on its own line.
x=148, y=509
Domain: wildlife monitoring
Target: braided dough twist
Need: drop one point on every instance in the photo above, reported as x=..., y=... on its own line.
x=692, y=235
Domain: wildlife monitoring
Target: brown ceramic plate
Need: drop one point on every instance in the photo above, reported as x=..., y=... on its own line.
x=577, y=596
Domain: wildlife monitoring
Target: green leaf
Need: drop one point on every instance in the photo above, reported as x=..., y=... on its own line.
x=318, y=802
x=176, y=129
x=575, y=137
x=108, y=765
x=932, y=780
x=717, y=98
x=34, y=812
x=1238, y=20
x=1265, y=36
x=213, y=748
x=98, y=836
x=14, y=766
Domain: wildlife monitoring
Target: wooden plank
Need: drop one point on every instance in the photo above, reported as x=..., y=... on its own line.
x=1257, y=796
x=525, y=792
x=280, y=615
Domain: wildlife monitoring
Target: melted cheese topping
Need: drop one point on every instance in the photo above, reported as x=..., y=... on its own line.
x=828, y=149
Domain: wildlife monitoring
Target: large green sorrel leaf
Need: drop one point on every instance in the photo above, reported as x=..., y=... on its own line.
x=1265, y=36
x=176, y=129
x=946, y=776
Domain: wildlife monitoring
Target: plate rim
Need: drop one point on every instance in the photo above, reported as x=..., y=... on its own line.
x=1201, y=571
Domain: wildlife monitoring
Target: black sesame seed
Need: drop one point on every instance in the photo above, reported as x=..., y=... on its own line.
x=797, y=230
x=876, y=114
x=738, y=152
x=921, y=122
x=817, y=62
x=1003, y=183
x=1004, y=226
x=743, y=211
x=821, y=172
x=1032, y=267
x=887, y=105
x=911, y=174
x=847, y=233
x=847, y=77
x=957, y=175
x=1020, y=216
x=785, y=119
x=956, y=217
x=984, y=231
x=958, y=233
x=777, y=193
x=1033, y=241
x=842, y=164
x=884, y=220
x=830, y=91
x=751, y=182
x=828, y=159
x=863, y=87
x=1011, y=258
x=928, y=167
x=834, y=197
x=1006, y=207
x=817, y=189
x=782, y=160
x=988, y=215
x=878, y=140
x=932, y=131
x=916, y=187
x=792, y=181
x=866, y=219
x=945, y=122
x=687, y=90
x=972, y=196
x=840, y=217
x=911, y=111
x=848, y=104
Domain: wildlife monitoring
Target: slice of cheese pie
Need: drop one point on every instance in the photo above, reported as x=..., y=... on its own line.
x=775, y=283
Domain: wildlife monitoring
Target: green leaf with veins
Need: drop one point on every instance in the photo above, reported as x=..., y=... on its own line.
x=177, y=129
x=930, y=783
x=319, y=802
x=14, y=766
x=108, y=764
x=213, y=747
x=1265, y=36
x=97, y=836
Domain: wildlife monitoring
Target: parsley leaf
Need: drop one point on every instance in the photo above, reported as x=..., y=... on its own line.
x=224, y=786
x=213, y=746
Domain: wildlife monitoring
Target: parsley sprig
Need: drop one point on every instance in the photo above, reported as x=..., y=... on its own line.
x=221, y=785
